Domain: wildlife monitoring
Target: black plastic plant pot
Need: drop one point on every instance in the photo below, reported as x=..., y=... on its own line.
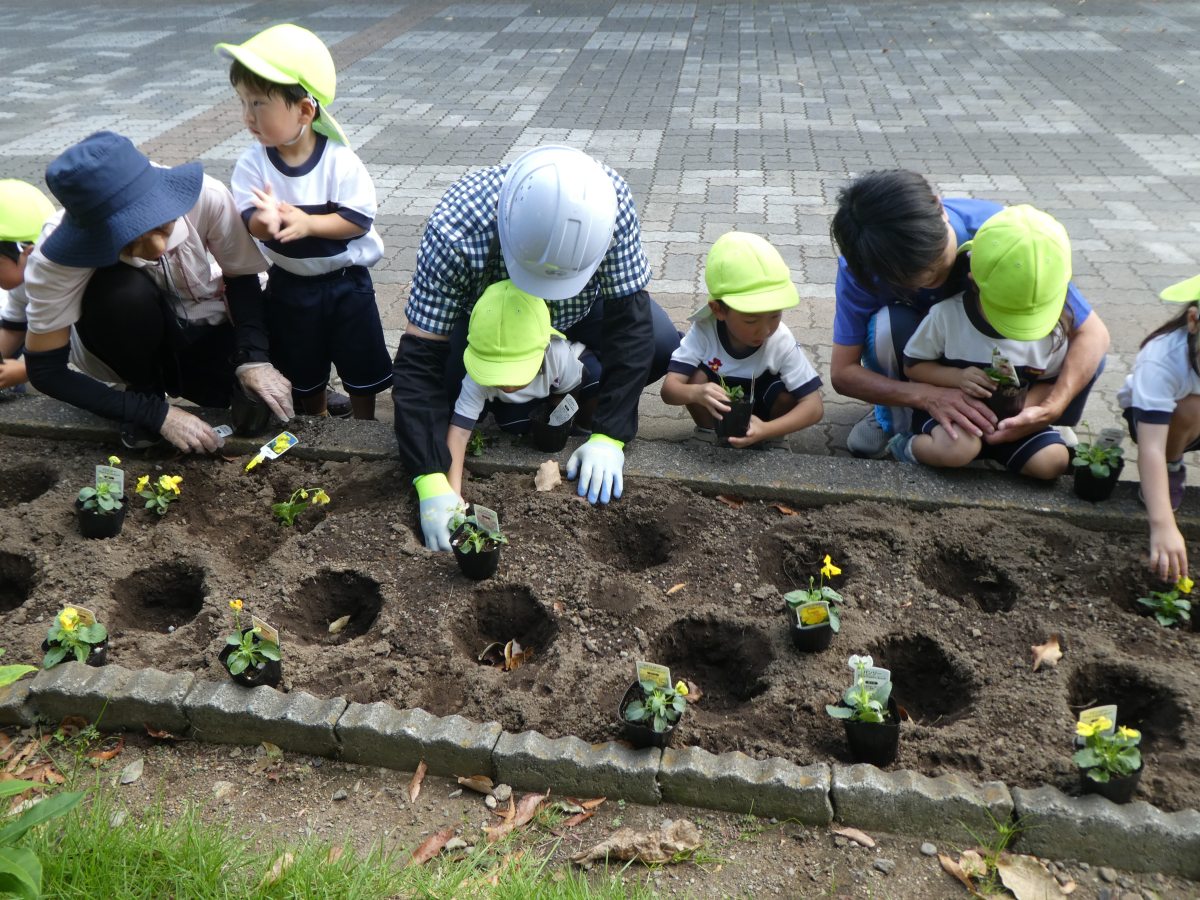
x=734, y=423
x=546, y=437
x=476, y=565
x=1118, y=790
x=269, y=673
x=1088, y=487
x=95, y=524
x=98, y=657
x=810, y=638
x=251, y=417
x=640, y=735
x=1007, y=400
x=875, y=742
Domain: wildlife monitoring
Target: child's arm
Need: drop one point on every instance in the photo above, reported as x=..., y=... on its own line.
x=972, y=380
x=676, y=391
x=12, y=371
x=457, y=439
x=807, y=412
x=1168, y=550
x=297, y=224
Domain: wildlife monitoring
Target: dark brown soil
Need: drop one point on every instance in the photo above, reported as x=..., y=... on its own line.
x=951, y=601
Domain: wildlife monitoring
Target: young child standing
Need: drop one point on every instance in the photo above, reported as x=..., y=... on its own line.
x=23, y=211
x=1020, y=266
x=309, y=202
x=514, y=362
x=738, y=338
x=1161, y=403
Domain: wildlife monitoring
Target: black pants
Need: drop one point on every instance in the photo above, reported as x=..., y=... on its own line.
x=127, y=323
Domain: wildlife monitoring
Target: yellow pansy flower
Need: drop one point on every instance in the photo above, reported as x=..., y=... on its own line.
x=320, y=498
x=303, y=494
x=1096, y=726
x=281, y=444
x=142, y=483
x=814, y=615
x=68, y=619
x=681, y=688
x=1130, y=733
x=829, y=569
x=235, y=604
x=1184, y=585
x=169, y=483
x=114, y=460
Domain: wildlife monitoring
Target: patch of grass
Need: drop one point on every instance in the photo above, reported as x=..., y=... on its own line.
x=145, y=855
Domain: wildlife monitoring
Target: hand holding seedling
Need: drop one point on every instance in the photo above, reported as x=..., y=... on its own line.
x=975, y=382
x=712, y=397
x=756, y=431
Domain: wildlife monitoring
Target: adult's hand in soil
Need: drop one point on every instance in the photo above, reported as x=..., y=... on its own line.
x=953, y=410
x=189, y=433
x=438, y=505
x=268, y=383
x=599, y=463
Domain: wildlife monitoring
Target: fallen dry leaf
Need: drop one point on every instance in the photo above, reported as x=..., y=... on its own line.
x=593, y=803
x=334, y=854
x=853, y=834
x=414, y=786
x=273, y=751
x=481, y=784
x=547, y=477
x=525, y=811
x=576, y=819
x=133, y=771
x=731, y=501
x=515, y=657
x=431, y=846
x=282, y=863
x=1027, y=878
x=957, y=871
x=668, y=844
x=676, y=587
x=559, y=606
x=694, y=694
x=338, y=625
x=99, y=756
x=783, y=508
x=973, y=864
x=160, y=735
x=1047, y=654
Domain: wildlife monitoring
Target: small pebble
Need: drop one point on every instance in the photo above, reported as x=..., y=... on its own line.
x=928, y=849
x=886, y=866
x=454, y=794
x=489, y=801
x=502, y=793
x=340, y=794
x=455, y=843
x=1109, y=874
x=170, y=629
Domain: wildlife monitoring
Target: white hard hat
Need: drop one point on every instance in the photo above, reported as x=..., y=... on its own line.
x=557, y=211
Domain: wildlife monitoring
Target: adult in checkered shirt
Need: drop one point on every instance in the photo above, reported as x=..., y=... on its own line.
x=564, y=228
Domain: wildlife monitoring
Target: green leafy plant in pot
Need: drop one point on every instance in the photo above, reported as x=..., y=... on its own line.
x=870, y=715
x=650, y=712
x=1008, y=396
x=736, y=422
x=1110, y=762
x=250, y=655
x=1097, y=469
x=75, y=634
x=100, y=507
x=476, y=546
x=813, y=614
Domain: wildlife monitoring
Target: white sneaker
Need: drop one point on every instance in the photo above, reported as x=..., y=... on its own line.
x=1067, y=433
x=867, y=439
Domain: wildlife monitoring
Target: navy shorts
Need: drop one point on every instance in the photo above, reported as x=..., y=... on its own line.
x=1013, y=455
x=317, y=320
x=514, y=417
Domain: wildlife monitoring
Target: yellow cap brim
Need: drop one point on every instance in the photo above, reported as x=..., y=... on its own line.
x=255, y=63
x=1183, y=291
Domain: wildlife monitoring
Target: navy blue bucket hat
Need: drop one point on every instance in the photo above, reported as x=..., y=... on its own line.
x=112, y=194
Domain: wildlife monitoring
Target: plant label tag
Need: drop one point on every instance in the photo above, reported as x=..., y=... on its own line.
x=281, y=444
x=567, y=408
x=86, y=616
x=1004, y=369
x=266, y=632
x=811, y=614
x=653, y=672
x=111, y=475
x=1109, y=712
x=486, y=518
x=875, y=678
x=223, y=431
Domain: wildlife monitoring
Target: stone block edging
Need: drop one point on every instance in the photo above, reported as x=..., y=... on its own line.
x=1135, y=836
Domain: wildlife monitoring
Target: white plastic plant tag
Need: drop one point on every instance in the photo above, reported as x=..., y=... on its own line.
x=809, y=615
x=223, y=431
x=487, y=518
x=875, y=678
x=1109, y=712
x=565, y=409
x=1004, y=368
x=86, y=616
x=279, y=445
x=111, y=475
x=660, y=676
x=265, y=631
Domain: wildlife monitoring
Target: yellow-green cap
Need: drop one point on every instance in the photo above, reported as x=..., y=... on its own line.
x=748, y=274
x=23, y=211
x=1183, y=291
x=289, y=54
x=1021, y=262
x=507, y=337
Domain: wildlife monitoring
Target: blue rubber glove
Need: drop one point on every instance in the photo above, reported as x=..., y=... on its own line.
x=599, y=462
x=438, y=505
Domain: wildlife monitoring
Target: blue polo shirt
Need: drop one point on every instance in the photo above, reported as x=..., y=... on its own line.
x=855, y=303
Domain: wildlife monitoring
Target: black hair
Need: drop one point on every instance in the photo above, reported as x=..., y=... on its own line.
x=1174, y=324
x=889, y=226
x=1064, y=325
x=11, y=250
x=291, y=93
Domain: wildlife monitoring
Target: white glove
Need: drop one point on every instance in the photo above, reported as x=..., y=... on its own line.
x=439, y=502
x=189, y=433
x=268, y=383
x=599, y=462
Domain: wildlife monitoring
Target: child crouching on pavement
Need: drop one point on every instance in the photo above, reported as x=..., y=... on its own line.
x=738, y=339
x=516, y=363
x=23, y=211
x=1014, y=306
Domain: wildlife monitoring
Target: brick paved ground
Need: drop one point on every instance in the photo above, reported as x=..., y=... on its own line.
x=719, y=115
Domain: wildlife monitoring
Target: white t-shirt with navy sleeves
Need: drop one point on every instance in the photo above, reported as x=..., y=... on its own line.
x=779, y=355
x=561, y=372
x=332, y=180
x=953, y=336
x=1162, y=376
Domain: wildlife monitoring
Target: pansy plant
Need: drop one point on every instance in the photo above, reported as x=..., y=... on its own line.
x=816, y=592
x=106, y=496
x=1169, y=608
x=287, y=511
x=251, y=649
x=660, y=708
x=735, y=392
x=72, y=634
x=1107, y=753
x=160, y=494
x=863, y=702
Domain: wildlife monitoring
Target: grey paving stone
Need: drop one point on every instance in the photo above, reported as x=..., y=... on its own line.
x=735, y=782
x=571, y=766
x=380, y=735
x=226, y=713
x=947, y=808
x=115, y=698
x=1134, y=836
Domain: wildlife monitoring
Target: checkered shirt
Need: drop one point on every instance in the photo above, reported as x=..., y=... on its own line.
x=453, y=265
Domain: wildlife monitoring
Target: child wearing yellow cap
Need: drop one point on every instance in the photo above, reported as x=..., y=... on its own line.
x=309, y=202
x=1160, y=400
x=23, y=211
x=1015, y=307
x=738, y=340
x=516, y=363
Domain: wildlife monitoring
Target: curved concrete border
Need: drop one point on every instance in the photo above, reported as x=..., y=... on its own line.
x=1136, y=836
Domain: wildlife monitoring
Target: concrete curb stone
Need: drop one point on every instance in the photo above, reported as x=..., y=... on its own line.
x=946, y=808
x=14, y=704
x=571, y=766
x=737, y=783
x=226, y=713
x=116, y=698
x=1134, y=836
x=378, y=734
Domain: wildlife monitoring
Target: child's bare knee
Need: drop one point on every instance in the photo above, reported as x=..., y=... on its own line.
x=1048, y=463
